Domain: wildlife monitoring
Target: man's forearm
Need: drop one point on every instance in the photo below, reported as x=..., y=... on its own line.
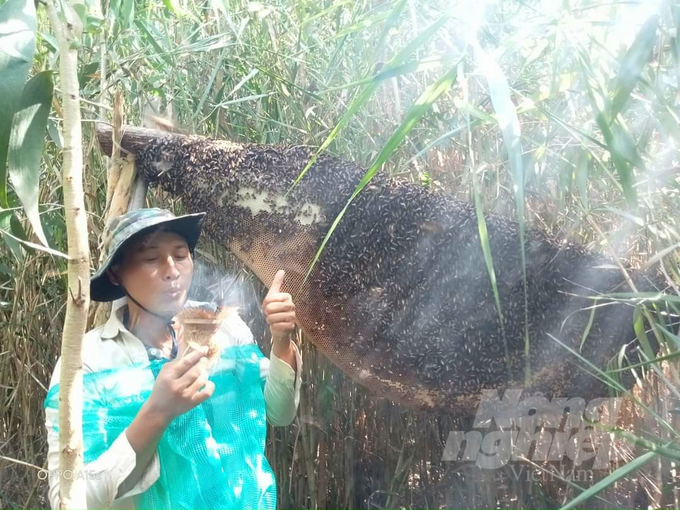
x=143, y=434
x=283, y=350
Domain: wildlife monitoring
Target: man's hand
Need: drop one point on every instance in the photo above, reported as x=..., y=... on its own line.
x=177, y=390
x=279, y=309
x=178, y=386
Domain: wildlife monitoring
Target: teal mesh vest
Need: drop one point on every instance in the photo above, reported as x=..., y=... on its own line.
x=211, y=457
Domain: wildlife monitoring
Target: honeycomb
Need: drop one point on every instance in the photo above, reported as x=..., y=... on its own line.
x=401, y=299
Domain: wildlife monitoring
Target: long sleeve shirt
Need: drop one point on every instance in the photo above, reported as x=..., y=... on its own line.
x=113, y=346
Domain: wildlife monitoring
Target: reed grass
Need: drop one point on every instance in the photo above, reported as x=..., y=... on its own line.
x=563, y=115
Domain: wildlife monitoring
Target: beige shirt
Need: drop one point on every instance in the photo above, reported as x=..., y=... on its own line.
x=113, y=346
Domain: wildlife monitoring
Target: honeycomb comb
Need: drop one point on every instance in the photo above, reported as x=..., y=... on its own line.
x=200, y=327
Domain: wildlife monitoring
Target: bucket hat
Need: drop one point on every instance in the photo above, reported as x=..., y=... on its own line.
x=139, y=221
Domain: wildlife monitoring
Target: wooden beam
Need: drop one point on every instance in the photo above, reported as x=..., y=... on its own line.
x=133, y=139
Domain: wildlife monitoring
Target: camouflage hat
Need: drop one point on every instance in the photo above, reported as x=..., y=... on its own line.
x=139, y=221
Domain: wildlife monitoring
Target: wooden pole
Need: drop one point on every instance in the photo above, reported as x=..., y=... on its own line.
x=68, y=31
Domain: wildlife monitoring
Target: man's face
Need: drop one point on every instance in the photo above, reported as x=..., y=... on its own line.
x=157, y=270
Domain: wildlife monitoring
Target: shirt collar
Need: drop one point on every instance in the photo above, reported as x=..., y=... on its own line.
x=115, y=325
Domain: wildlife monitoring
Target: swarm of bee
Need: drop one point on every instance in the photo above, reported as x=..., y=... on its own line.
x=401, y=298
x=201, y=328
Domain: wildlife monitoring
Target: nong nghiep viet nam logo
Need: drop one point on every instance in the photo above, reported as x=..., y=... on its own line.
x=558, y=428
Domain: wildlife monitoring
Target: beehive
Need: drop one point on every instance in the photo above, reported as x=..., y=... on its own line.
x=401, y=299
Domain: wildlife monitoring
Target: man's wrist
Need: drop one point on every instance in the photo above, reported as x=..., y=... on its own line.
x=281, y=344
x=283, y=349
x=153, y=418
x=146, y=429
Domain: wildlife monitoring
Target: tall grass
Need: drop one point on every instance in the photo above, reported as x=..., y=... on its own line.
x=563, y=115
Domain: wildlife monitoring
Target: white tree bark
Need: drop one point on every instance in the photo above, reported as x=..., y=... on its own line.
x=68, y=30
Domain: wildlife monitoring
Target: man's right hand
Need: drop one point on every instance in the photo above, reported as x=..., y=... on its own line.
x=178, y=386
x=175, y=392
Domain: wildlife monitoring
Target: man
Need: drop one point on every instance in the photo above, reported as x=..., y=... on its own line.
x=149, y=261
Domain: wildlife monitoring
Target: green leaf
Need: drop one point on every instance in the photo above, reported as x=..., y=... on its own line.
x=392, y=21
x=488, y=257
x=17, y=230
x=643, y=297
x=675, y=41
x=5, y=231
x=328, y=10
x=18, y=25
x=10, y=237
x=435, y=142
x=640, y=333
x=127, y=14
x=49, y=41
x=619, y=141
x=91, y=24
x=654, y=361
x=473, y=111
x=637, y=57
x=174, y=7
x=609, y=480
x=419, y=108
x=508, y=121
x=150, y=34
x=26, y=145
x=55, y=133
x=581, y=176
x=422, y=105
x=87, y=72
x=367, y=92
x=611, y=380
x=213, y=77
x=426, y=63
x=363, y=24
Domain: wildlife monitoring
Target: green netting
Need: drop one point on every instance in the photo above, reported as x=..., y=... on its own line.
x=210, y=457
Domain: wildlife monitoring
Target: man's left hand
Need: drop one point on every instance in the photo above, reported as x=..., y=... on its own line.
x=279, y=309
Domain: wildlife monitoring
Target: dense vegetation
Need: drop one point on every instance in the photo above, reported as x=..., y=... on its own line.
x=562, y=115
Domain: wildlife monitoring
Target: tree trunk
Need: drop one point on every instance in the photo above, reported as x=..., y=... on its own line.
x=68, y=30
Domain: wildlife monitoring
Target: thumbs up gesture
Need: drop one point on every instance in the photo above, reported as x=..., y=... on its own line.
x=279, y=309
